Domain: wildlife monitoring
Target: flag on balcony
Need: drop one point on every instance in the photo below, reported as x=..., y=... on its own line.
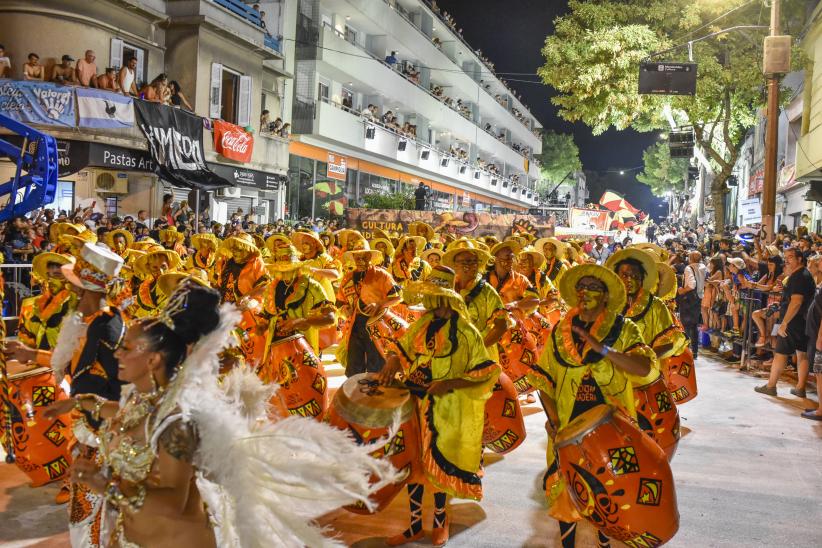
x=104, y=109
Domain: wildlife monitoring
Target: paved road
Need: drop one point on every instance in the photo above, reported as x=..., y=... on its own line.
x=748, y=473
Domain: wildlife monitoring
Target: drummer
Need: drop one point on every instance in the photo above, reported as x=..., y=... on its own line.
x=554, y=251
x=407, y=265
x=442, y=359
x=587, y=361
x=363, y=293
x=242, y=271
x=205, y=253
x=147, y=301
x=41, y=315
x=317, y=261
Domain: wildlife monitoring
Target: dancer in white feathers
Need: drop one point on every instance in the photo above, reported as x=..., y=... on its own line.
x=189, y=459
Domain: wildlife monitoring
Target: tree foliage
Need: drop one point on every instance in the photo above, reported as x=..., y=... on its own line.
x=592, y=59
x=661, y=172
x=560, y=156
x=395, y=200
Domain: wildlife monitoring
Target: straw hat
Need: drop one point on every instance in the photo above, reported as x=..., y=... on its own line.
x=302, y=237
x=145, y=244
x=198, y=240
x=284, y=256
x=141, y=263
x=426, y=255
x=95, y=268
x=346, y=237
x=419, y=240
x=379, y=233
x=513, y=245
x=462, y=245
x=170, y=236
x=521, y=240
x=169, y=281
x=389, y=247
x=242, y=241
x=420, y=228
x=660, y=252
x=39, y=265
x=439, y=283
x=375, y=256
x=56, y=230
x=109, y=237
x=537, y=257
x=666, y=288
x=616, y=289
x=559, y=246
x=646, y=259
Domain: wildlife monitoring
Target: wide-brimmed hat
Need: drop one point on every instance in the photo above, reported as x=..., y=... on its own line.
x=145, y=244
x=56, y=230
x=616, y=289
x=426, y=255
x=301, y=237
x=389, y=247
x=536, y=256
x=439, y=283
x=346, y=235
x=660, y=252
x=284, y=256
x=141, y=263
x=171, y=235
x=109, y=237
x=465, y=245
x=95, y=268
x=75, y=242
x=169, y=281
x=197, y=240
x=242, y=241
x=513, y=245
x=737, y=262
x=420, y=228
x=375, y=256
x=377, y=233
x=648, y=260
x=39, y=265
x=772, y=250
x=419, y=240
x=520, y=239
x=559, y=246
x=666, y=287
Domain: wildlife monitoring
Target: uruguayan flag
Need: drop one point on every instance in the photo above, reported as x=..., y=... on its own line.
x=104, y=109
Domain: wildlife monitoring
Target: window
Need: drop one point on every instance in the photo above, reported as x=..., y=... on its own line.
x=121, y=51
x=347, y=98
x=111, y=206
x=322, y=91
x=350, y=35
x=230, y=95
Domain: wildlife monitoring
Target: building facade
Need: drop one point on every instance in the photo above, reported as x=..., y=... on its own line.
x=387, y=95
x=230, y=61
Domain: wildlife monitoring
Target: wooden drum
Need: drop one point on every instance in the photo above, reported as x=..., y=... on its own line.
x=680, y=376
x=618, y=478
x=657, y=415
x=504, y=428
x=517, y=352
x=41, y=447
x=385, y=329
x=367, y=411
x=293, y=365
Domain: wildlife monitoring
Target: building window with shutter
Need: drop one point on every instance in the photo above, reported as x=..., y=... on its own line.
x=230, y=95
x=121, y=51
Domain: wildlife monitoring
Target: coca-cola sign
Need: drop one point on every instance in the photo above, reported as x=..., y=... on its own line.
x=232, y=141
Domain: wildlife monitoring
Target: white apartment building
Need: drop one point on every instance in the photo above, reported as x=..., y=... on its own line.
x=439, y=114
x=231, y=62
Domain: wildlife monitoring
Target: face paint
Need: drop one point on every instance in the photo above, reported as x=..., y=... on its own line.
x=589, y=299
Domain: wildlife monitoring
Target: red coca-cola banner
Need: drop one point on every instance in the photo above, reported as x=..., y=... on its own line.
x=232, y=141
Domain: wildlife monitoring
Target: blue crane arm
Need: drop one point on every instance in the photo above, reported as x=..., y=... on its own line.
x=35, y=176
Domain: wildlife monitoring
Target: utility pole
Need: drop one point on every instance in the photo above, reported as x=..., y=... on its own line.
x=771, y=136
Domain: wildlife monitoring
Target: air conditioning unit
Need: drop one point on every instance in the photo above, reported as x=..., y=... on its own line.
x=109, y=182
x=425, y=154
x=229, y=192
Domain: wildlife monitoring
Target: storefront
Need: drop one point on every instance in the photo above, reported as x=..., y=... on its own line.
x=257, y=192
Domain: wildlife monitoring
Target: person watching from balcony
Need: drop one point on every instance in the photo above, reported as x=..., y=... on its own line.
x=5, y=63
x=108, y=80
x=265, y=121
x=391, y=59
x=285, y=132
x=368, y=112
x=128, y=77
x=86, y=70
x=176, y=97
x=276, y=126
x=64, y=72
x=156, y=90
x=33, y=70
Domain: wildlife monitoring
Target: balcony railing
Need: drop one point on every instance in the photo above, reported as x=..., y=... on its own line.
x=243, y=10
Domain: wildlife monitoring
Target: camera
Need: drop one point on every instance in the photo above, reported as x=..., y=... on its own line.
x=771, y=310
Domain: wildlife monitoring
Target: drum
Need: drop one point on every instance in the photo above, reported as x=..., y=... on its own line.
x=618, y=478
x=539, y=326
x=657, y=415
x=252, y=338
x=517, y=353
x=680, y=376
x=41, y=447
x=293, y=365
x=367, y=410
x=504, y=428
x=385, y=329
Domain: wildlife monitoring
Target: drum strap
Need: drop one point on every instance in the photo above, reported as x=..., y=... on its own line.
x=590, y=356
x=475, y=291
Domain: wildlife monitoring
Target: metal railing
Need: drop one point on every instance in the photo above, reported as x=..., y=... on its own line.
x=17, y=286
x=242, y=10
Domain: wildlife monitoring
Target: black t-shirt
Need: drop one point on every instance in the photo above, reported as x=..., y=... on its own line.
x=814, y=317
x=799, y=283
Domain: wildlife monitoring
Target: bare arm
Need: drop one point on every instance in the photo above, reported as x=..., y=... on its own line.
x=629, y=363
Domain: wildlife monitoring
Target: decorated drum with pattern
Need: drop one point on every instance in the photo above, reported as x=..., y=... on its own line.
x=504, y=428
x=657, y=415
x=680, y=376
x=292, y=364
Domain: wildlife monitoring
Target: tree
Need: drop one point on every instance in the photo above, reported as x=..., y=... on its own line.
x=593, y=57
x=395, y=200
x=560, y=156
x=661, y=172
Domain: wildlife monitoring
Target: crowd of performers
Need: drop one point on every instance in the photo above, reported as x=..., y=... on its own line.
x=183, y=401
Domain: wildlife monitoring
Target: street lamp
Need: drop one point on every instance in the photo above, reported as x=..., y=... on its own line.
x=622, y=172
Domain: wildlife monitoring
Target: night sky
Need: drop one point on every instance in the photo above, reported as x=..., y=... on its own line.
x=511, y=34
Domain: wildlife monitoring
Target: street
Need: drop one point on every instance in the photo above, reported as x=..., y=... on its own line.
x=748, y=473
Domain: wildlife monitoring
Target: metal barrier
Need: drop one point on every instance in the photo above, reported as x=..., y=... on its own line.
x=17, y=286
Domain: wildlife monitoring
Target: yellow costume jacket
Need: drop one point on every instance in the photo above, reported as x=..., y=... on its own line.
x=485, y=306
x=41, y=316
x=304, y=297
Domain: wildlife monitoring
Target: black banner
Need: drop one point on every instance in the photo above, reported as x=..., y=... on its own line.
x=241, y=176
x=175, y=140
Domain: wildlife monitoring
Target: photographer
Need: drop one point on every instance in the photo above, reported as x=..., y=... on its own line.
x=421, y=196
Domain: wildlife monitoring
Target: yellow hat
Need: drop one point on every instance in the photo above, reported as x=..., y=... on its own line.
x=377, y=233
x=513, y=245
x=462, y=245
x=39, y=265
x=375, y=256
x=348, y=237
x=439, y=283
x=666, y=288
x=284, y=256
x=646, y=259
x=75, y=242
x=418, y=240
x=616, y=289
x=56, y=230
x=141, y=263
x=537, y=257
x=426, y=255
x=198, y=240
x=169, y=281
x=258, y=241
x=559, y=246
x=389, y=247
x=170, y=236
x=109, y=237
x=660, y=252
x=301, y=237
x=242, y=241
x=420, y=228
x=144, y=245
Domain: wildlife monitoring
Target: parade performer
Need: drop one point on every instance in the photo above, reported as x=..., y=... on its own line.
x=325, y=270
x=85, y=351
x=41, y=315
x=173, y=240
x=188, y=458
x=385, y=246
x=364, y=293
x=293, y=307
x=406, y=267
x=155, y=262
x=60, y=229
x=529, y=262
x=442, y=360
x=587, y=361
x=205, y=253
x=432, y=256
x=119, y=241
x=242, y=270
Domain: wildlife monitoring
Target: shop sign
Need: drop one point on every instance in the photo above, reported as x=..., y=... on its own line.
x=751, y=211
x=238, y=176
x=336, y=167
x=123, y=159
